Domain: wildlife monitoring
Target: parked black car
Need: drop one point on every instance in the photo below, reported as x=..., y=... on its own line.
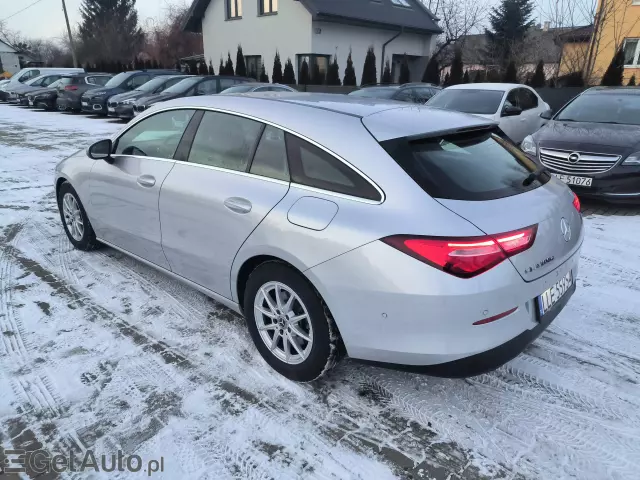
x=46, y=97
x=593, y=144
x=190, y=87
x=73, y=86
x=409, y=92
x=19, y=94
x=95, y=101
x=121, y=105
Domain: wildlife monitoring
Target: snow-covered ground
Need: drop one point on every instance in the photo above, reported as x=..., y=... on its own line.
x=98, y=351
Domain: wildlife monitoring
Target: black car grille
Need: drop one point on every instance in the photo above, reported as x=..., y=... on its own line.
x=113, y=104
x=139, y=108
x=577, y=163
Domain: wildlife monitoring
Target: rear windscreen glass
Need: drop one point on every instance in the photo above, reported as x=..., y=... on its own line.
x=71, y=80
x=465, y=166
x=484, y=102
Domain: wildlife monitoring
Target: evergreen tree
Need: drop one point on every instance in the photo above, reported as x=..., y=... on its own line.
x=203, y=68
x=119, y=67
x=465, y=77
x=317, y=78
x=480, y=76
x=1, y=67
x=221, y=70
x=446, y=80
x=615, y=72
x=304, y=73
x=432, y=72
x=509, y=24
x=405, y=73
x=386, y=74
x=369, y=72
x=333, y=74
x=228, y=67
x=538, y=80
x=457, y=69
x=156, y=65
x=349, y=73
x=109, y=27
x=211, y=70
x=632, y=81
x=241, y=67
x=493, y=76
x=264, y=78
x=511, y=73
x=552, y=82
x=276, y=77
x=289, y=76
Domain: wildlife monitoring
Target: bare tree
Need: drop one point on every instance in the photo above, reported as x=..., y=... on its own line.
x=458, y=18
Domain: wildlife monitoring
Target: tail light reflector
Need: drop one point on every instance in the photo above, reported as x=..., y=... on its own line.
x=465, y=257
x=576, y=202
x=71, y=88
x=484, y=321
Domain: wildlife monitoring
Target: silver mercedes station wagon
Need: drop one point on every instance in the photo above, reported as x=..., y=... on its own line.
x=402, y=235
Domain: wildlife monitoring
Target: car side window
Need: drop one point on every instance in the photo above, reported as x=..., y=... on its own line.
x=512, y=98
x=208, y=87
x=102, y=81
x=313, y=167
x=155, y=136
x=527, y=99
x=49, y=80
x=225, y=83
x=270, y=159
x=405, y=95
x=279, y=89
x=422, y=94
x=263, y=89
x=137, y=81
x=225, y=141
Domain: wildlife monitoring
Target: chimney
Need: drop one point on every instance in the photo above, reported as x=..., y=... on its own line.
x=546, y=26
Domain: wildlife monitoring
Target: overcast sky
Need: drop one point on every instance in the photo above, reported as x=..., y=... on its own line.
x=46, y=19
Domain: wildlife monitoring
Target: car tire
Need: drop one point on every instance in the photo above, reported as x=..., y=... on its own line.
x=310, y=358
x=76, y=223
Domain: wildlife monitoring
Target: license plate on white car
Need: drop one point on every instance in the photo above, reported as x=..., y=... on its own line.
x=553, y=295
x=573, y=180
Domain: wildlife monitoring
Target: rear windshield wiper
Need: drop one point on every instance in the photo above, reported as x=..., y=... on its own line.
x=535, y=176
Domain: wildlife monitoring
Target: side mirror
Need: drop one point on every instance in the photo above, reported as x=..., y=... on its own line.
x=511, y=111
x=547, y=114
x=101, y=150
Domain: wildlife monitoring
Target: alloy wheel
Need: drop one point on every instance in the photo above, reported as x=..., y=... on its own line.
x=283, y=322
x=73, y=217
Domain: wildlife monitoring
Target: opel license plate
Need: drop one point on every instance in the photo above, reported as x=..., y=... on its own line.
x=553, y=295
x=573, y=180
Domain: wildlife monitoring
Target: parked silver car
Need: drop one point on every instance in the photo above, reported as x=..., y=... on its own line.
x=401, y=235
x=256, y=87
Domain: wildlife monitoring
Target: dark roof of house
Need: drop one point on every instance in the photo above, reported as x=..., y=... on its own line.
x=579, y=34
x=414, y=18
x=539, y=44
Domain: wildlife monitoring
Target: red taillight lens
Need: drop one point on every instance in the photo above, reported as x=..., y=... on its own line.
x=71, y=88
x=576, y=202
x=465, y=257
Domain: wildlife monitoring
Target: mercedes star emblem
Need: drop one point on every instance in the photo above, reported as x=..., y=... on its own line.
x=565, y=229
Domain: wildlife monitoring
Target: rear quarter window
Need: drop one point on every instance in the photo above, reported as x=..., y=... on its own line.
x=465, y=166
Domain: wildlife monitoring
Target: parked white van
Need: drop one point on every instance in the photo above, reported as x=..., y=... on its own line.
x=33, y=72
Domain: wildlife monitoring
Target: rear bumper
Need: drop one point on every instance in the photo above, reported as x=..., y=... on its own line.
x=619, y=185
x=415, y=317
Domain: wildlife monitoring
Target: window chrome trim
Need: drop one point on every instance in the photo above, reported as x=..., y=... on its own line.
x=235, y=172
x=383, y=197
x=119, y=155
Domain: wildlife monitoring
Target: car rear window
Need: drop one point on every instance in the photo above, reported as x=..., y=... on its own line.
x=71, y=80
x=484, y=102
x=375, y=92
x=479, y=165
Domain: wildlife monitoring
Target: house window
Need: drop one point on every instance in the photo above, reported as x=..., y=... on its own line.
x=268, y=7
x=234, y=9
x=318, y=66
x=631, y=51
x=253, y=63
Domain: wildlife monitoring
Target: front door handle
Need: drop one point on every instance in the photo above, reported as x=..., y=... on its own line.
x=238, y=205
x=146, y=181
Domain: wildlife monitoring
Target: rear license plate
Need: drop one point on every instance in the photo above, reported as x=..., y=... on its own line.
x=31, y=103
x=85, y=104
x=573, y=180
x=553, y=295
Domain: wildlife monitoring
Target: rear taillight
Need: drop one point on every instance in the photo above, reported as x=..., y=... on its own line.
x=71, y=88
x=465, y=257
x=576, y=201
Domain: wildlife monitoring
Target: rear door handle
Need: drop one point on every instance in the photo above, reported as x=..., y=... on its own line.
x=146, y=181
x=238, y=205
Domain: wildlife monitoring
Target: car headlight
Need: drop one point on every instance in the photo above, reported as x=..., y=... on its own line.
x=633, y=159
x=529, y=146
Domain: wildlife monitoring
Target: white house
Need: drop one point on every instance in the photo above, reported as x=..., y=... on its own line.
x=9, y=58
x=316, y=30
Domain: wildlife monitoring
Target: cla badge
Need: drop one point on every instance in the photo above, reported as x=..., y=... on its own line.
x=574, y=157
x=565, y=229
